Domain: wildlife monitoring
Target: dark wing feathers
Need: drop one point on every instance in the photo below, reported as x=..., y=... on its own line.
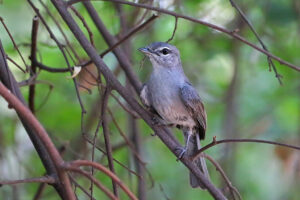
x=194, y=105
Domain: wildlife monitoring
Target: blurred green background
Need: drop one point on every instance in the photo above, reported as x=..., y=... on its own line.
x=242, y=98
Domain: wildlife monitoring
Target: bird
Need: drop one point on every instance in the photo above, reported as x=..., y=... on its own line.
x=174, y=101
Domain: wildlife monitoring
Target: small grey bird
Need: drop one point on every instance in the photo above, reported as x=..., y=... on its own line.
x=176, y=102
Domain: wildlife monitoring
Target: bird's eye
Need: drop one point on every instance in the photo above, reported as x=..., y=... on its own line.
x=165, y=51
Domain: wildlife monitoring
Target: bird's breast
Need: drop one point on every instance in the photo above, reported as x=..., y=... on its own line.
x=165, y=98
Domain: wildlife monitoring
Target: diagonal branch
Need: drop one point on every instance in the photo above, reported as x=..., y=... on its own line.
x=28, y=117
x=163, y=133
x=213, y=26
x=232, y=189
x=79, y=163
x=271, y=64
x=7, y=78
x=14, y=43
x=110, y=40
x=94, y=180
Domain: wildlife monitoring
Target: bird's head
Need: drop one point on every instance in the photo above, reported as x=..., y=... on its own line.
x=162, y=54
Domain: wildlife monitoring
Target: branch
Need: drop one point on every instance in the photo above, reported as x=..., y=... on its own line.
x=107, y=137
x=60, y=46
x=110, y=40
x=174, y=31
x=232, y=189
x=60, y=29
x=82, y=188
x=111, y=48
x=216, y=142
x=113, y=148
x=7, y=78
x=163, y=133
x=79, y=163
x=25, y=113
x=13, y=41
x=35, y=26
x=129, y=34
x=97, y=183
x=218, y=28
x=271, y=64
x=16, y=64
x=84, y=24
x=44, y=179
x=127, y=141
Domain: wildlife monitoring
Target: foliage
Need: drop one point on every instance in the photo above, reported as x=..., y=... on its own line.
x=242, y=98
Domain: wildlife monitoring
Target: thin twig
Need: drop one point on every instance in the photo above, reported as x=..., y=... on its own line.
x=215, y=142
x=93, y=149
x=80, y=187
x=129, y=34
x=113, y=148
x=128, y=142
x=232, y=189
x=43, y=179
x=125, y=63
x=79, y=163
x=145, y=13
x=60, y=29
x=271, y=64
x=126, y=108
x=174, y=31
x=163, y=192
x=218, y=28
x=60, y=46
x=84, y=24
x=97, y=183
x=107, y=137
x=14, y=43
x=16, y=64
x=123, y=39
x=86, y=88
x=39, y=191
x=46, y=97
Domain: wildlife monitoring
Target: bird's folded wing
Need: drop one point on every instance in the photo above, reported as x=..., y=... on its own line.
x=194, y=105
x=144, y=95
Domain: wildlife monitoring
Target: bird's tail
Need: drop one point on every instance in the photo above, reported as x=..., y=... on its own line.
x=193, y=146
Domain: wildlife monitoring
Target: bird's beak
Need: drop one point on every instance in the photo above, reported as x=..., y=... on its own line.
x=145, y=50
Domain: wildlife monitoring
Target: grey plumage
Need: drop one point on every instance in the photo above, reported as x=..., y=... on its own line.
x=169, y=93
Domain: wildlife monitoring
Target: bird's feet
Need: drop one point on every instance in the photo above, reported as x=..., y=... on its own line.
x=182, y=152
x=158, y=121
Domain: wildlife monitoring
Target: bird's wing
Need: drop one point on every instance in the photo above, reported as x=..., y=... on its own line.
x=194, y=105
x=146, y=100
x=144, y=95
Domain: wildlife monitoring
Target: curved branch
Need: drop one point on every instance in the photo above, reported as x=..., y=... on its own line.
x=25, y=113
x=232, y=189
x=163, y=133
x=94, y=180
x=79, y=163
x=213, y=26
x=215, y=142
